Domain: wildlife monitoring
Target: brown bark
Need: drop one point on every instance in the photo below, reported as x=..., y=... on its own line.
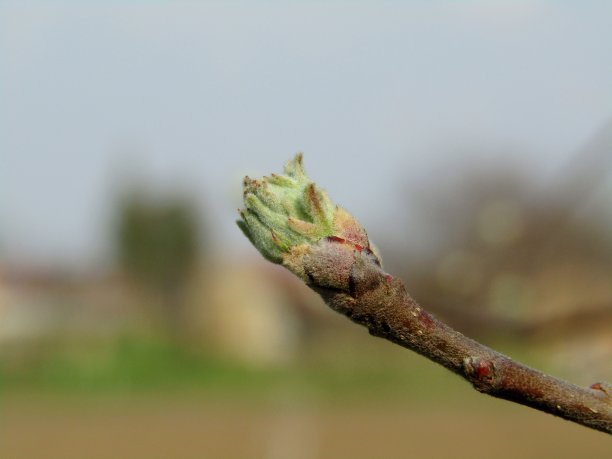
x=291, y=221
x=351, y=281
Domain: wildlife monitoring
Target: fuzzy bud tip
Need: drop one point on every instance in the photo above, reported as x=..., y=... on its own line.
x=285, y=214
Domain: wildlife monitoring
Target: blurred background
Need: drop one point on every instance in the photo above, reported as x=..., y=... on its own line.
x=472, y=139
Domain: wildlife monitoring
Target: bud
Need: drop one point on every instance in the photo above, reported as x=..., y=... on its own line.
x=286, y=214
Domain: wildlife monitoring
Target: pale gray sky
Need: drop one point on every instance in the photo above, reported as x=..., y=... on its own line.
x=199, y=93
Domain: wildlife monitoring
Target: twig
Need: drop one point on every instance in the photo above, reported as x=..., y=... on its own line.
x=293, y=222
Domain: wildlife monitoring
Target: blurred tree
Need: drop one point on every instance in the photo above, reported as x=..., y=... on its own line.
x=158, y=245
x=511, y=256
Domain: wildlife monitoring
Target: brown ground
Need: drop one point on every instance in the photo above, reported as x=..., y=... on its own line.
x=286, y=428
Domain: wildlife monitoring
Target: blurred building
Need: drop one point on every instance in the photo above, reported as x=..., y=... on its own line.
x=252, y=312
x=37, y=303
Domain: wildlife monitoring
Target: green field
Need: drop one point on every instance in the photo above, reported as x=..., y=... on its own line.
x=147, y=399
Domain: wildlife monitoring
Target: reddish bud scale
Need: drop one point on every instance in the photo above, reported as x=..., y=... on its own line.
x=484, y=368
x=604, y=387
x=357, y=247
x=426, y=320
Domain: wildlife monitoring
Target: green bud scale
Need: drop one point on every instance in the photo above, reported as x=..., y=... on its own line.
x=289, y=212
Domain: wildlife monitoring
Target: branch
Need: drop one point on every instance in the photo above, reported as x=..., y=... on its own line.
x=293, y=222
x=584, y=317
